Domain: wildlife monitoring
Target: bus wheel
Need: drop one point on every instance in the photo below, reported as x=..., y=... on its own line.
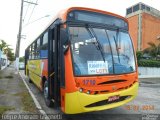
x=30, y=81
x=48, y=101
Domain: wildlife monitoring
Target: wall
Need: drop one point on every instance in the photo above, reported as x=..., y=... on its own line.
x=133, y=29
x=145, y=72
x=150, y=29
x=3, y=60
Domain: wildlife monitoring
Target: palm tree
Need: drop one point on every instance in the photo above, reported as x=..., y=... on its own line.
x=6, y=50
x=153, y=49
x=3, y=45
x=10, y=54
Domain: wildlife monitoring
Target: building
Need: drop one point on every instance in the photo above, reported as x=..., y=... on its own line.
x=144, y=23
x=3, y=60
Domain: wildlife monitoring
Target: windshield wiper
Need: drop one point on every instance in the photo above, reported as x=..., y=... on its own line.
x=115, y=41
x=117, y=48
x=92, y=33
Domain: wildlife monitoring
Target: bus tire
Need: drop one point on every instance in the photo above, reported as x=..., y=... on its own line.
x=48, y=101
x=29, y=79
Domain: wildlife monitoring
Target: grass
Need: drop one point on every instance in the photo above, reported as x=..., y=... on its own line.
x=3, y=109
x=2, y=91
x=21, y=84
x=9, y=77
x=27, y=102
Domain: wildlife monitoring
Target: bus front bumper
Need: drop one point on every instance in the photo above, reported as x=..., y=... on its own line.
x=78, y=102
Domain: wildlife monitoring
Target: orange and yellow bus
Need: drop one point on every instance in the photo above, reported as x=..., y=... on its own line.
x=84, y=61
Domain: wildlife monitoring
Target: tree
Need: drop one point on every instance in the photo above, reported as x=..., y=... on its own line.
x=21, y=59
x=7, y=49
x=153, y=49
x=10, y=56
x=139, y=55
x=4, y=47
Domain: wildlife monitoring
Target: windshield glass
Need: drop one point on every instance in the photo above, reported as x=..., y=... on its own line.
x=100, y=51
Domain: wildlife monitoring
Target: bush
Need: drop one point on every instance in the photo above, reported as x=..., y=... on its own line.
x=149, y=63
x=139, y=55
x=21, y=59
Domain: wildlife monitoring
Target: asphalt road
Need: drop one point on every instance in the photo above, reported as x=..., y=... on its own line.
x=144, y=107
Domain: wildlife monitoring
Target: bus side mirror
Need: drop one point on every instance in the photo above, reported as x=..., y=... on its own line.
x=64, y=38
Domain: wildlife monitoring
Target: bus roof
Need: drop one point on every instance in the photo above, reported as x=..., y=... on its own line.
x=63, y=15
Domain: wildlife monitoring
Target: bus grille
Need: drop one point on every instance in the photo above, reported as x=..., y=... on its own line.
x=112, y=81
x=105, y=102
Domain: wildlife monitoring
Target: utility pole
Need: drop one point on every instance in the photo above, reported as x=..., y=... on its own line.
x=19, y=37
x=19, y=34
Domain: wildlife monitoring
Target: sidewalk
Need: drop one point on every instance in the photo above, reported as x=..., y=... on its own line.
x=148, y=76
x=14, y=96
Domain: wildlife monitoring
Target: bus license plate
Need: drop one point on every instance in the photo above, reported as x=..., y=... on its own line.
x=113, y=98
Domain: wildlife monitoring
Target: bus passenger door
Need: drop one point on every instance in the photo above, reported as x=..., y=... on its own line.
x=54, y=89
x=26, y=59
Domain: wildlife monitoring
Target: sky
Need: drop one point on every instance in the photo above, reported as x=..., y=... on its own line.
x=37, y=17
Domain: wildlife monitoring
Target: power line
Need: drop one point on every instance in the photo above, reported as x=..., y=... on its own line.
x=26, y=12
x=19, y=33
x=31, y=2
x=32, y=12
x=36, y=20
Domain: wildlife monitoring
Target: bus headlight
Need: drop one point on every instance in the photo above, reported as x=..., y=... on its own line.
x=88, y=92
x=80, y=90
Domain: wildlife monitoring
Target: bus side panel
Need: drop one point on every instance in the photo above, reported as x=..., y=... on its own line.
x=26, y=69
x=37, y=69
x=44, y=68
x=35, y=78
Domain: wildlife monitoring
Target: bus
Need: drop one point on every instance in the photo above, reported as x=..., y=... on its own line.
x=84, y=61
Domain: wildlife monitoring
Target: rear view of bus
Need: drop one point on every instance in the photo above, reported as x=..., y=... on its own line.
x=95, y=66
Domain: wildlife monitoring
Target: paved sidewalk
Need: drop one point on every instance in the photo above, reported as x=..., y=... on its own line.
x=14, y=96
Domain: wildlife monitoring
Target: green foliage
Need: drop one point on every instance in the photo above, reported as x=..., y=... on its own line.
x=139, y=55
x=153, y=49
x=21, y=59
x=3, y=109
x=148, y=63
x=4, y=47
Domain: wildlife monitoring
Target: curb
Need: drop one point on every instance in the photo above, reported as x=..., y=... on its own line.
x=38, y=106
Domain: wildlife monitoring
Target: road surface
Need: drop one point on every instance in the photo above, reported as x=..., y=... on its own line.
x=145, y=106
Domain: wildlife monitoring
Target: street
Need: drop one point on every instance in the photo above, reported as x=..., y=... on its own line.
x=146, y=103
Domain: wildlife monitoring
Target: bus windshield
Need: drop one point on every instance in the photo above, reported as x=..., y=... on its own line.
x=114, y=56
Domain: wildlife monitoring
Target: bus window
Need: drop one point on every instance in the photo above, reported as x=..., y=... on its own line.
x=30, y=53
x=33, y=50
x=38, y=48
x=109, y=50
x=45, y=38
x=102, y=37
x=85, y=52
x=122, y=49
x=44, y=47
